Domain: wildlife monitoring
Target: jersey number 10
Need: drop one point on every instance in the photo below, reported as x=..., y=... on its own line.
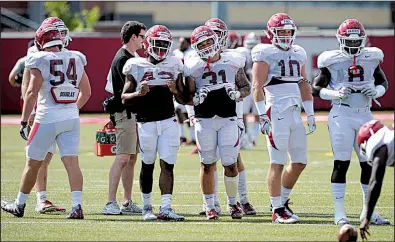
x=71, y=72
x=281, y=63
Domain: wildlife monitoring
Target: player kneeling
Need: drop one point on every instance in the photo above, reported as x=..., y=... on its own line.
x=62, y=87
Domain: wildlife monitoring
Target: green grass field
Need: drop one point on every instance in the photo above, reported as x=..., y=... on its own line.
x=311, y=197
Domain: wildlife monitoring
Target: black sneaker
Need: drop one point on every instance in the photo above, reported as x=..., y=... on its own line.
x=76, y=213
x=13, y=208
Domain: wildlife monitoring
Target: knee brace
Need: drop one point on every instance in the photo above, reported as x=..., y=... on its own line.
x=339, y=171
x=146, y=177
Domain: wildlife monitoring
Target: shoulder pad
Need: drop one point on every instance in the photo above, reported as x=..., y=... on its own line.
x=35, y=59
x=80, y=55
x=300, y=50
x=373, y=53
x=132, y=62
x=235, y=58
x=192, y=64
x=261, y=51
x=331, y=57
x=33, y=49
x=175, y=62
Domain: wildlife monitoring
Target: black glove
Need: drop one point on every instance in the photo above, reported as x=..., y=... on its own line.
x=23, y=131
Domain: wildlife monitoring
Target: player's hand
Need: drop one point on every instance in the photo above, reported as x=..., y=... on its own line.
x=363, y=229
x=234, y=95
x=172, y=86
x=240, y=123
x=311, y=124
x=369, y=91
x=345, y=91
x=30, y=121
x=264, y=124
x=143, y=89
x=203, y=92
x=23, y=131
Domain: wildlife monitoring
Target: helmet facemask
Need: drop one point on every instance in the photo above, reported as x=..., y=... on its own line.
x=159, y=48
x=222, y=37
x=65, y=35
x=351, y=45
x=210, y=51
x=283, y=42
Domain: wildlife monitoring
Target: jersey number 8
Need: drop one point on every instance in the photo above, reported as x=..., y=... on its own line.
x=355, y=71
x=71, y=72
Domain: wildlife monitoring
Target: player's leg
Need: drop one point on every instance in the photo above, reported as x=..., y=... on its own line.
x=206, y=140
x=148, y=139
x=297, y=150
x=366, y=171
x=181, y=117
x=124, y=149
x=342, y=139
x=247, y=207
x=246, y=141
x=41, y=137
x=277, y=143
x=68, y=141
x=229, y=147
x=168, y=144
x=217, y=203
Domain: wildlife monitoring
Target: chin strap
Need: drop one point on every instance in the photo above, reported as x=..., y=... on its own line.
x=208, y=64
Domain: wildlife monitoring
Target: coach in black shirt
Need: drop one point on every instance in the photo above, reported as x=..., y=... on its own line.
x=132, y=35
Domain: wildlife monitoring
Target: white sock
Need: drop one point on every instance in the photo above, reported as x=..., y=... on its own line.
x=192, y=133
x=338, y=194
x=209, y=200
x=216, y=200
x=147, y=198
x=41, y=196
x=76, y=198
x=231, y=185
x=276, y=202
x=21, y=198
x=166, y=200
x=255, y=131
x=365, y=188
x=284, y=194
x=182, y=130
x=242, y=187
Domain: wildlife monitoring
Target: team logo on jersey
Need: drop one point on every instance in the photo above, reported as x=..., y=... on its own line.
x=353, y=31
x=287, y=21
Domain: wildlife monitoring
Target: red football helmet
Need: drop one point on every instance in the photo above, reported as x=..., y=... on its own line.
x=366, y=131
x=200, y=35
x=220, y=28
x=351, y=36
x=47, y=36
x=251, y=40
x=58, y=23
x=158, y=41
x=234, y=40
x=281, y=21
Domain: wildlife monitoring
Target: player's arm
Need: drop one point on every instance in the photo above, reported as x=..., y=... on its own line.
x=376, y=179
x=380, y=82
x=129, y=90
x=190, y=90
x=85, y=91
x=320, y=84
x=25, y=82
x=260, y=71
x=242, y=83
x=306, y=93
x=179, y=89
x=35, y=83
x=15, y=78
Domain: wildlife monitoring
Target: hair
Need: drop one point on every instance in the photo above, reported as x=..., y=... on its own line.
x=131, y=28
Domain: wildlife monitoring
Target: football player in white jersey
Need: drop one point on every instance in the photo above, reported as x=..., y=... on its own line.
x=351, y=78
x=220, y=28
x=43, y=204
x=376, y=142
x=250, y=135
x=60, y=86
x=279, y=71
x=150, y=81
x=214, y=81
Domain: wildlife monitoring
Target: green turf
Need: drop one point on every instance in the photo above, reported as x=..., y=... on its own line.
x=311, y=198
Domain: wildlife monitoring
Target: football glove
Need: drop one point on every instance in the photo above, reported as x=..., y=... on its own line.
x=264, y=124
x=369, y=91
x=311, y=124
x=23, y=131
x=240, y=123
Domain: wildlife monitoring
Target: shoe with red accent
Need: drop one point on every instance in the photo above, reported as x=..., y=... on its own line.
x=48, y=207
x=212, y=214
x=248, y=209
x=183, y=140
x=191, y=142
x=235, y=211
x=76, y=213
x=195, y=151
x=282, y=217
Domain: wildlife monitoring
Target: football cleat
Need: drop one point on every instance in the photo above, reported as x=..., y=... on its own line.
x=375, y=219
x=212, y=215
x=130, y=208
x=111, y=208
x=288, y=210
x=48, y=207
x=76, y=213
x=248, y=209
x=148, y=213
x=13, y=208
x=168, y=214
x=281, y=216
x=217, y=209
x=342, y=221
x=235, y=211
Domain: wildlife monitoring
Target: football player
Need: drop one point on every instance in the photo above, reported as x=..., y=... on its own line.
x=351, y=78
x=279, y=71
x=376, y=142
x=212, y=80
x=150, y=81
x=43, y=204
x=60, y=86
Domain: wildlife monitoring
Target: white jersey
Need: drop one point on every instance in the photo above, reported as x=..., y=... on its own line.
x=247, y=54
x=384, y=136
x=339, y=66
x=143, y=70
x=221, y=73
x=190, y=54
x=61, y=70
x=285, y=67
x=33, y=49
